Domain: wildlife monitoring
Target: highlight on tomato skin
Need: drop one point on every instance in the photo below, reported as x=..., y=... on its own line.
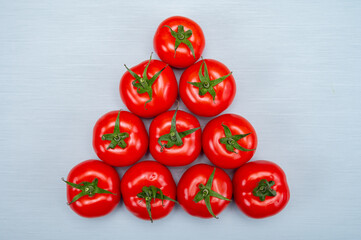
x=260, y=189
x=204, y=191
x=179, y=41
x=229, y=141
x=148, y=190
x=120, y=138
x=93, y=189
x=175, y=138
x=148, y=88
x=207, y=88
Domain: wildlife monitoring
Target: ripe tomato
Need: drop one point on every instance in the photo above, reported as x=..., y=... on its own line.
x=207, y=88
x=260, y=189
x=120, y=138
x=93, y=188
x=148, y=190
x=149, y=88
x=204, y=191
x=179, y=41
x=229, y=141
x=174, y=138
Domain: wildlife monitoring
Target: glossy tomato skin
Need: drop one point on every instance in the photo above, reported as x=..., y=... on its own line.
x=148, y=173
x=246, y=179
x=176, y=155
x=188, y=187
x=164, y=42
x=165, y=90
x=204, y=105
x=217, y=152
x=100, y=204
x=137, y=142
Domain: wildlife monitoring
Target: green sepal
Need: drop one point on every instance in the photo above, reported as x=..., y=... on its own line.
x=217, y=195
x=87, y=189
x=174, y=137
x=143, y=84
x=181, y=37
x=151, y=193
x=207, y=200
x=206, y=85
x=231, y=140
x=264, y=189
x=206, y=192
x=116, y=138
x=210, y=179
x=198, y=197
x=188, y=132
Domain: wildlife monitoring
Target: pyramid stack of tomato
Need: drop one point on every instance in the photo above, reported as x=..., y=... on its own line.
x=120, y=139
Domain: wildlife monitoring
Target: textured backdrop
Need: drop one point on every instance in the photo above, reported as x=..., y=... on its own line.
x=298, y=70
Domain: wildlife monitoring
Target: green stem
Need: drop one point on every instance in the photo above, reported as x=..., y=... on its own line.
x=87, y=189
x=231, y=140
x=151, y=193
x=181, y=37
x=174, y=137
x=264, y=189
x=116, y=138
x=206, y=85
x=206, y=192
x=143, y=84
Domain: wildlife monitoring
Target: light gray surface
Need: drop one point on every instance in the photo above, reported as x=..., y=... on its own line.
x=297, y=66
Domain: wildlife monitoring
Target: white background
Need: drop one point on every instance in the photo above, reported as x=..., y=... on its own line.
x=297, y=67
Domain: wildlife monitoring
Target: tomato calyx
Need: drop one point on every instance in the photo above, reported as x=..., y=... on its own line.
x=87, y=189
x=206, y=85
x=143, y=84
x=181, y=37
x=152, y=192
x=264, y=189
x=117, y=137
x=231, y=140
x=205, y=193
x=174, y=137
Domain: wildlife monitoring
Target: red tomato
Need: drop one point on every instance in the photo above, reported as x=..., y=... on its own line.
x=207, y=88
x=93, y=188
x=233, y=150
x=260, y=189
x=120, y=138
x=149, y=88
x=204, y=191
x=175, y=138
x=179, y=41
x=144, y=186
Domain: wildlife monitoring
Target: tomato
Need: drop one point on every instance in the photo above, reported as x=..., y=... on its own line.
x=93, y=188
x=204, y=191
x=229, y=141
x=148, y=88
x=260, y=189
x=148, y=190
x=207, y=88
x=179, y=41
x=120, y=138
x=175, y=138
